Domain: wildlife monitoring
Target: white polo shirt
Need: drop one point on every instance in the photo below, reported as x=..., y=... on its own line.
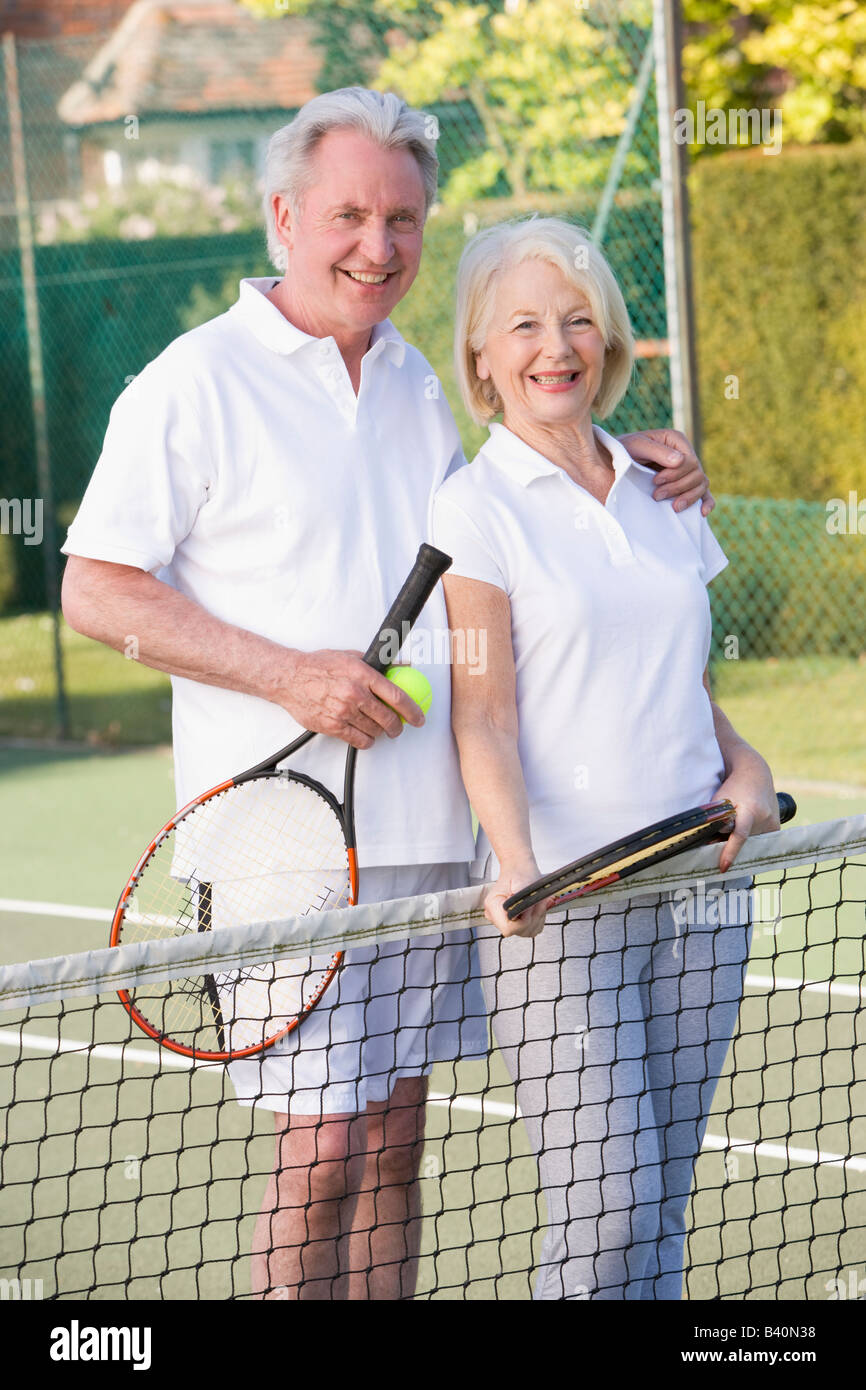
x=242, y=468
x=610, y=624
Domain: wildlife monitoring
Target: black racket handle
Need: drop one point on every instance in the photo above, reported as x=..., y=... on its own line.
x=429, y=567
x=430, y=564
x=787, y=807
x=787, y=811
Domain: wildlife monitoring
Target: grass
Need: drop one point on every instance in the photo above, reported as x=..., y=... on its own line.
x=112, y=701
x=806, y=714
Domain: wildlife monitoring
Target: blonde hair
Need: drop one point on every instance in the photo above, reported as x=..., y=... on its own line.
x=383, y=117
x=561, y=244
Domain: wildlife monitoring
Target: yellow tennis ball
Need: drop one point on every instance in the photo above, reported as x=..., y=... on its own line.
x=415, y=684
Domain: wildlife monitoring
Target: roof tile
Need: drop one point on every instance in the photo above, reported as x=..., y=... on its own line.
x=196, y=56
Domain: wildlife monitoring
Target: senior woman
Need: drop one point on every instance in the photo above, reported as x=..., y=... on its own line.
x=592, y=718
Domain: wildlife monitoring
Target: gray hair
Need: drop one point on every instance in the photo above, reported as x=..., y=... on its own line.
x=383, y=117
x=572, y=250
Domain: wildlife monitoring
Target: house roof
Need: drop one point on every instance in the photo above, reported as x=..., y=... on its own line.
x=42, y=19
x=195, y=56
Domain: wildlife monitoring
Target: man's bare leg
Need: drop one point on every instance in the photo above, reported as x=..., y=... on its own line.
x=386, y=1226
x=300, y=1246
x=344, y=1196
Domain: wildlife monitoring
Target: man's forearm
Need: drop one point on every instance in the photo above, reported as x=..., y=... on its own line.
x=137, y=614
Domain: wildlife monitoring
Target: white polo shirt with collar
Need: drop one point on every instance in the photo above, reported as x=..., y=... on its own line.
x=241, y=468
x=610, y=623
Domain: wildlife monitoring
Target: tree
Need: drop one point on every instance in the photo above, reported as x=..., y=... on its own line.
x=548, y=83
x=807, y=58
x=353, y=34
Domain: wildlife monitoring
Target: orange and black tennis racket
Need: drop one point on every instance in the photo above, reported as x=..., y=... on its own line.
x=619, y=860
x=266, y=845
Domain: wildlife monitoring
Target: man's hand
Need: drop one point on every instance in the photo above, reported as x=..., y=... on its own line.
x=679, y=468
x=337, y=693
x=330, y=692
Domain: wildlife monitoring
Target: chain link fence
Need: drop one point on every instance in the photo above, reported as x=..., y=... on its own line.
x=130, y=168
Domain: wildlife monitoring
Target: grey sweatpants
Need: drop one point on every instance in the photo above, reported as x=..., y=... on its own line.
x=615, y=1032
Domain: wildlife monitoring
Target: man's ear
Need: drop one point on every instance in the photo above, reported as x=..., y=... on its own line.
x=283, y=219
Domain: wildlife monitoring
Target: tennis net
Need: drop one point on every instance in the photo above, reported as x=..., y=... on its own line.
x=131, y=1172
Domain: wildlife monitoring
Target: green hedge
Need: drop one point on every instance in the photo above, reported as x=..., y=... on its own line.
x=106, y=309
x=780, y=291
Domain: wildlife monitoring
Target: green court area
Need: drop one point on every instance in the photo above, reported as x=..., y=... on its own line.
x=112, y=701
x=807, y=714
x=128, y=1174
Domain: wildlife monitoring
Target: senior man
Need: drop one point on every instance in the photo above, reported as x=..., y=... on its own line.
x=261, y=493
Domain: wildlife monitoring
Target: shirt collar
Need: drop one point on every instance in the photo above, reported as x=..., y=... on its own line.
x=524, y=464
x=620, y=457
x=274, y=331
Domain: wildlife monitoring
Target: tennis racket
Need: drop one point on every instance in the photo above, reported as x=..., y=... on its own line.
x=262, y=846
x=652, y=845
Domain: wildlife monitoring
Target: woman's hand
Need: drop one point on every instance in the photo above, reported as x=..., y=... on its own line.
x=749, y=786
x=529, y=923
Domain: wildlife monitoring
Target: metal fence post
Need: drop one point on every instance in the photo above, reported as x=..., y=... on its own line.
x=36, y=372
x=673, y=159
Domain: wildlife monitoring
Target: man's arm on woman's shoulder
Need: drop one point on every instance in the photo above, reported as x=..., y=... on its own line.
x=681, y=475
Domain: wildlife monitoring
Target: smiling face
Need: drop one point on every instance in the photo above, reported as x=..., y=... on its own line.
x=543, y=351
x=354, y=245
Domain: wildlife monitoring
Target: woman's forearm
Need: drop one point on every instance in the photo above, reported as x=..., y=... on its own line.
x=735, y=751
x=484, y=719
x=493, y=777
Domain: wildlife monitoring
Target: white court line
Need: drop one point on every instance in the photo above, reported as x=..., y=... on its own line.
x=80, y=914
x=771, y=982
x=786, y=1153
x=109, y=1052
x=85, y=914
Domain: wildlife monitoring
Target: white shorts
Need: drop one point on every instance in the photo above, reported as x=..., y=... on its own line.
x=381, y=1017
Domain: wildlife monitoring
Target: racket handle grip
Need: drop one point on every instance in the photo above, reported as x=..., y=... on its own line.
x=787, y=807
x=787, y=811
x=429, y=567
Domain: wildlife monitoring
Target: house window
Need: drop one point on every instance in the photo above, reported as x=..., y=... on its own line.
x=112, y=168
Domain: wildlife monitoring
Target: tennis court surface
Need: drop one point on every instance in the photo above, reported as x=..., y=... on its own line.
x=129, y=1172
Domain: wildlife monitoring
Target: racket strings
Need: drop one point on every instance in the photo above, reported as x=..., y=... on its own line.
x=262, y=851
